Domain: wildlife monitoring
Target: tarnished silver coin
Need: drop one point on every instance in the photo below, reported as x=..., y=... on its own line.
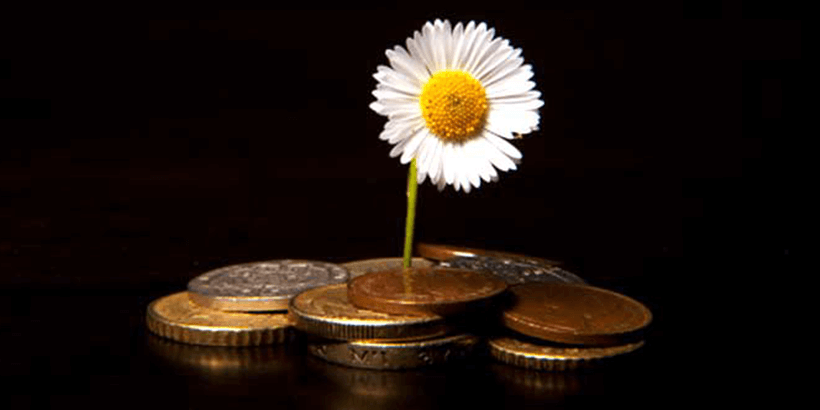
x=262, y=286
x=514, y=270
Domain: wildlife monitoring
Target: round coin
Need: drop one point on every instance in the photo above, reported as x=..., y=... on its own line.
x=361, y=267
x=262, y=286
x=442, y=291
x=575, y=314
x=513, y=270
x=446, y=252
x=370, y=354
x=326, y=312
x=538, y=357
x=177, y=317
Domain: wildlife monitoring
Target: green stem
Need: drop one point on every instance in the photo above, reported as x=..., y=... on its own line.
x=412, y=189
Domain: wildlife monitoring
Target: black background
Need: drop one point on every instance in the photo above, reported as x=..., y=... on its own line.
x=141, y=148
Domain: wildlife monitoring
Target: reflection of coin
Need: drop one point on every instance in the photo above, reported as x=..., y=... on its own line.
x=574, y=314
x=177, y=318
x=371, y=354
x=445, y=252
x=542, y=357
x=442, y=291
x=222, y=360
x=327, y=312
x=513, y=270
x=262, y=286
x=361, y=267
x=372, y=384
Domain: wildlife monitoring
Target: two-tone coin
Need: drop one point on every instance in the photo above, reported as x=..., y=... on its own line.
x=370, y=354
x=177, y=317
x=554, y=358
x=327, y=312
x=574, y=314
x=365, y=266
x=441, y=291
x=262, y=286
x=513, y=270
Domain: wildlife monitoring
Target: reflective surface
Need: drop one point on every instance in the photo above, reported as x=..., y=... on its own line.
x=142, y=148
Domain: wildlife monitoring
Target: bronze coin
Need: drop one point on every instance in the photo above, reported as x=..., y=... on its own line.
x=442, y=291
x=555, y=358
x=576, y=314
x=446, y=252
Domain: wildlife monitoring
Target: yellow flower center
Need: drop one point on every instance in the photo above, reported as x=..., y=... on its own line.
x=454, y=105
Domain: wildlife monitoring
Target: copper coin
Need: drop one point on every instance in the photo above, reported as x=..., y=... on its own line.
x=544, y=357
x=576, y=314
x=442, y=291
x=445, y=252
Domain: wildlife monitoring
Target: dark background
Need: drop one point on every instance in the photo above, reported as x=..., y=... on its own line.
x=141, y=148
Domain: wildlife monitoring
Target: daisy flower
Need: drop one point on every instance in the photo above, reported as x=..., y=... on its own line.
x=453, y=98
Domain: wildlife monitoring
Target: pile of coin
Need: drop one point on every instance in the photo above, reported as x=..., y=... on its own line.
x=454, y=303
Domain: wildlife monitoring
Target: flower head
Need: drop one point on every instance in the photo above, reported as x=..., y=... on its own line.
x=453, y=98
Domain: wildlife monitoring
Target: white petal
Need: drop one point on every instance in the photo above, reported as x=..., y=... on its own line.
x=391, y=79
x=481, y=37
x=407, y=65
x=518, y=105
x=386, y=93
x=426, y=151
x=448, y=162
x=501, y=55
x=498, y=159
x=417, y=51
x=528, y=96
x=435, y=165
x=393, y=107
x=504, y=62
x=441, y=184
x=455, y=46
x=507, y=88
x=504, y=146
x=514, y=120
x=463, y=45
x=487, y=54
x=379, y=108
x=397, y=150
x=420, y=176
x=511, y=69
x=430, y=35
x=481, y=52
x=475, y=159
x=402, y=134
x=412, y=146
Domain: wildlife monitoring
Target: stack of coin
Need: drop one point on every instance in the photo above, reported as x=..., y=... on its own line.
x=374, y=314
x=359, y=337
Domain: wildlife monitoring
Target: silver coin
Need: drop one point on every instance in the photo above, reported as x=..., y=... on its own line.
x=514, y=270
x=262, y=286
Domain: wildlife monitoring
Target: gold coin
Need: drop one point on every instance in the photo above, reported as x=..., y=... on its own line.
x=371, y=354
x=177, y=317
x=542, y=357
x=365, y=266
x=326, y=312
